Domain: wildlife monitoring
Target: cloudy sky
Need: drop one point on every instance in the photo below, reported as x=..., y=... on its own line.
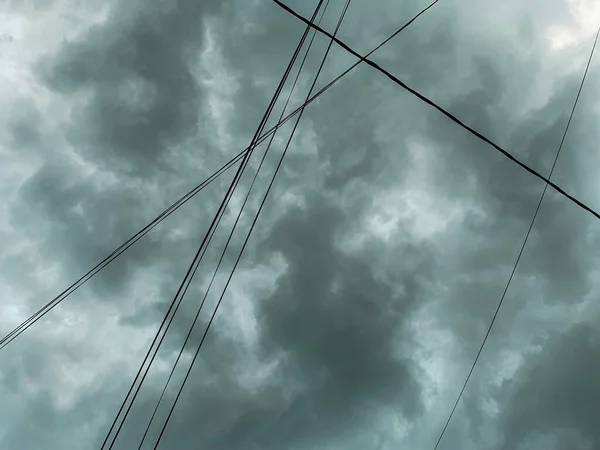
x=376, y=264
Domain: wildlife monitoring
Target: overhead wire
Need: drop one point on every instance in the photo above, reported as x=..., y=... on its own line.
x=198, y=256
x=449, y=115
x=114, y=254
x=17, y=331
x=347, y=4
x=520, y=254
x=162, y=394
x=242, y=156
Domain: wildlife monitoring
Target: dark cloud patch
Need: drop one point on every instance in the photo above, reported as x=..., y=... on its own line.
x=558, y=391
x=44, y=423
x=337, y=315
x=359, y=162
x=24, y=129
x=82, y=223
x=337, y=323
x=137, y=72
x=334, y=295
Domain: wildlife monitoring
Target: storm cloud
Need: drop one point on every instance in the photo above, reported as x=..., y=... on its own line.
x=381, y=253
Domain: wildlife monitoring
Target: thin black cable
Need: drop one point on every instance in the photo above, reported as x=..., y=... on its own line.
x=154, y=349
x=187, y=284
x=207, y=236
x=159, y=401
x=537, y=209
x=453, y=118
x=67, y=292
x=115, y=253
x=181, y=292
x=247, y=237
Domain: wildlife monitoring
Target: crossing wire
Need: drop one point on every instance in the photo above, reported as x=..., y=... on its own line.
x=201, y=306
x=347, y=4
x=547, y=181
x=537, y=209
x=184, y=199
x=449, y=115
x=199, y=254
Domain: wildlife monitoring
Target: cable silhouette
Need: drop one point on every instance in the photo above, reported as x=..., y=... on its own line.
x=537, y=209
x=197, y=257
x=244, y=157
x=115, y=253
x=449, y=115
x=185, y=198
x=162, y=394
x=347, y=4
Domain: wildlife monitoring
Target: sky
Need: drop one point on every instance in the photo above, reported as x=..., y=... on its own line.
x=376, y=264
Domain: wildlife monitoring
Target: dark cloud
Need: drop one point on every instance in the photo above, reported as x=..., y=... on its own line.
x=137, y=70
x=346, y=364
x=25, y=126
x=558, y=393
x=345, y=336
x=334, y=295
x=82, y=232
x=142, y=55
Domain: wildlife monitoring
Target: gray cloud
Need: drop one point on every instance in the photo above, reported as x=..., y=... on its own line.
x=375, y=267
x=559, y=392
x=138, y=70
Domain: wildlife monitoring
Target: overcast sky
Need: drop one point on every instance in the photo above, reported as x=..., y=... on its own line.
x=377, y=262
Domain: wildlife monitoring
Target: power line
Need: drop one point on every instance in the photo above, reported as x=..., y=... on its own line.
x=537, y=209
x=184, y=199
x=146, y=431
x=115, y=253
x=244, y=157
x=347, y=4
x=453, y=118
x=198, y=256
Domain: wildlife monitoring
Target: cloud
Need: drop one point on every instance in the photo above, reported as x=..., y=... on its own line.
x=556, y=398
x=136, y=71
x=375, y=266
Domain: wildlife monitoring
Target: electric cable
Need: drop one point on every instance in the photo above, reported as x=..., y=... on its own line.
x=537, y=209
x=245, y=242
x=208, y=235
x=185, y=198
x=201, y=306
x=449, y=115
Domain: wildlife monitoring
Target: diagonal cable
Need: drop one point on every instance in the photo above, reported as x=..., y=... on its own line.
x=115, y=253
x=162, y=394
x=184, y=199
x=453, y=118
x=199, y=254
x=347, y=4
x=537, y=209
